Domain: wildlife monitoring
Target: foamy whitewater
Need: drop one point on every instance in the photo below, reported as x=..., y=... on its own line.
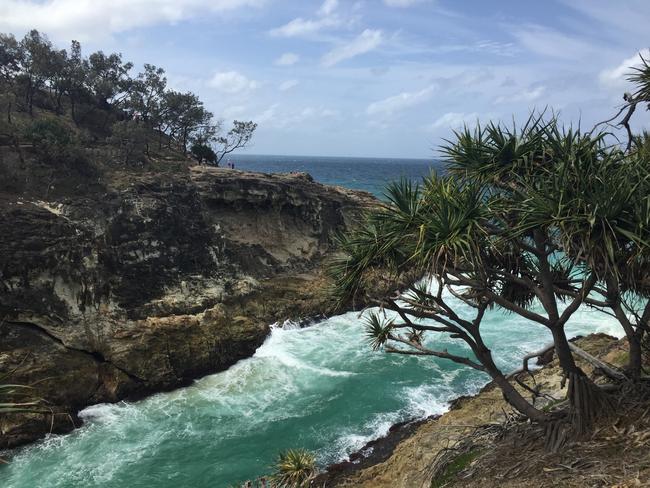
x=319, y=388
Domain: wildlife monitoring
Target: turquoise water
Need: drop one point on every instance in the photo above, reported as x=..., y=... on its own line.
x=319, y=388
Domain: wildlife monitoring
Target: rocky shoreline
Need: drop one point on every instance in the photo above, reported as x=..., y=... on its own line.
x=161, y=279
x=405, y=456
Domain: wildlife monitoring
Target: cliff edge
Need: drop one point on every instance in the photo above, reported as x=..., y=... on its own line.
x=155, y=281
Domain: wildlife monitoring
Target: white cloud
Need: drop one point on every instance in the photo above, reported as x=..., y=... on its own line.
x=453, y=120
x=615, y=77
x=552, y=43
x=287, y=59
x=232, y=82
x=528, y=95
x=400, y=102
x=623, y=19
x=92, y=19
x=303, y=27
x=368, y=40
x=328, y=7
x=268, y=116
x=326, y=18
x=292, y=118
x=402, y=3
x=288, y=85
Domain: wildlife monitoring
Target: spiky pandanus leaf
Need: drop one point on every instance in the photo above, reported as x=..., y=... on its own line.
x=378, y=330
x=294, y=468
x=640, y=76
x=595, y=200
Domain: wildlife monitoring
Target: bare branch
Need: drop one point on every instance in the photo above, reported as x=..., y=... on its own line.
x=423, y=351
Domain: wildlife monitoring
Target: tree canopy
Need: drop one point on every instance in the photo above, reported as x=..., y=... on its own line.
x=100, y=91
x=537, y=221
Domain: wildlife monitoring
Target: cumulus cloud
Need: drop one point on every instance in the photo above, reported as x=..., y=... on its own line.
x=287, y=59
x=615, y=77
x=232, y=82
x=326, y=18
x=397, y=103
x=90, y=19
x=288, y=85
x=454, y=120
x=302, y=27
x=365, y=42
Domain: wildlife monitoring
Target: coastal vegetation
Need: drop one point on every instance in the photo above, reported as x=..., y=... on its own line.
x=64, y=103
x=538, y=221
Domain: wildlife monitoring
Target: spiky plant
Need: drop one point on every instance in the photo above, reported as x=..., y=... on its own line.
x=640, y=77
x=535, y=214
x=294, y=468
x=377, y=330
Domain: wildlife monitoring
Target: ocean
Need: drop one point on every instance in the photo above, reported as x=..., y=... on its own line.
x=368, y=174
x=320, y=388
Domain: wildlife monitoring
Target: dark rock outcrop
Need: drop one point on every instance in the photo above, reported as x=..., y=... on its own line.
x=151, y=284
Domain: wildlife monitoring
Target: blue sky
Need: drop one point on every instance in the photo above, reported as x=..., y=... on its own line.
x=370, y=77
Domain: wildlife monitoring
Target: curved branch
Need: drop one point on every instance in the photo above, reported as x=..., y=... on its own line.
x=423, y=351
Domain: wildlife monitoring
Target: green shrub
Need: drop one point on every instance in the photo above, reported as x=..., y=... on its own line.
x=55, y=144
x=203, y=153
x=130, y=139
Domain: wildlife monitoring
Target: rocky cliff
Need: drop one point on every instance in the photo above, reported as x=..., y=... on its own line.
x=155, y=281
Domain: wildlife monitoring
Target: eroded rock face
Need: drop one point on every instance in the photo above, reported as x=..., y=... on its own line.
x=143, y=288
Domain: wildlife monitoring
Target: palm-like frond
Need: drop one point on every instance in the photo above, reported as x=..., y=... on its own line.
x=294, y=468
x=596, y=200
x=377, y=330
x=495, y=154
x=640, y=76
x=422, y=229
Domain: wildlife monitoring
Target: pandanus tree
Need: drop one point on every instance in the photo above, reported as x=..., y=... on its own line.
x=598, y=203
x=481, y=238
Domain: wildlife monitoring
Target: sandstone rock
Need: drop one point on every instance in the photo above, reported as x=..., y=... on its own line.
x=155, y=283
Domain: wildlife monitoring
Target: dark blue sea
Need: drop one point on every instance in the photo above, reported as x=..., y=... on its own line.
x=369, y=174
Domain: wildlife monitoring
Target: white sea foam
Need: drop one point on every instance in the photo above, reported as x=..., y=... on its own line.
x=322, y=384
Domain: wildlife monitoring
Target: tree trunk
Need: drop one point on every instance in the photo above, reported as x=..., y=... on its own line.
x=59, y=107
x=588, y=402
x=632, y=333
x=563, y=351
x=514, y=398
x=635, y=360
x=510, y=393
x=73, y=111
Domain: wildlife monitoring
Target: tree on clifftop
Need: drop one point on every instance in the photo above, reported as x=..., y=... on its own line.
x=237, y=137
x=101, y=95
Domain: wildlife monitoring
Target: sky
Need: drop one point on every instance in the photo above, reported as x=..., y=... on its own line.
x=377, y=78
